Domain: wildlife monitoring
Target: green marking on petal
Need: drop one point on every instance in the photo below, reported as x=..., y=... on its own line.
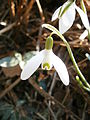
x=65, y=9
x=49, y=43
x=60, y=12
x=83, y=6
x=46, y=66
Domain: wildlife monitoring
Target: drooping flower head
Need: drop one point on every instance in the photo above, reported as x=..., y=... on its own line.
x=47, y=59
x=66, y=15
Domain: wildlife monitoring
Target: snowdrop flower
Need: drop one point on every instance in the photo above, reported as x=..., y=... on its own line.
x=20, y=60
x=47, y=59
x=66, y=15
x=83, y=35
x=87, y=31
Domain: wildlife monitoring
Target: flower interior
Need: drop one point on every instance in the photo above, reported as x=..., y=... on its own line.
x=46, y=66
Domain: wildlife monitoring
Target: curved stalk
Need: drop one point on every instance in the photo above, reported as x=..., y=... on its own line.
x=55, y=31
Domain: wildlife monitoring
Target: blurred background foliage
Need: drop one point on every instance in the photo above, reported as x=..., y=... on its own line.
x=21, y=36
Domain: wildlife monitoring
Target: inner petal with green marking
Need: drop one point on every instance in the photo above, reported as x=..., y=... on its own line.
x=47, y=61
x=46, y=66
x=64, y=8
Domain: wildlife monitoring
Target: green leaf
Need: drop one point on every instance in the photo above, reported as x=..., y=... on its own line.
x=15, y=115
x=29, y=55
x=20, y=103
x=25, y=118
x=25, y=58
x=8, y=62
x=6, y=114
x=4, y=106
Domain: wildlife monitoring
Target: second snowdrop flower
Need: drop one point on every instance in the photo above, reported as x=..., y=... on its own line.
x=66, y=15
x=47, y=59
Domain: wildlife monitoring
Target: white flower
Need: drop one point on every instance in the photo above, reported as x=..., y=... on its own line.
x=66, y=15
x=47, y=59
x=83, y=35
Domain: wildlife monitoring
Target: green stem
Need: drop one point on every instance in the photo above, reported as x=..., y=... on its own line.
x=89, y=34
x=55, y=31
x=81, y=84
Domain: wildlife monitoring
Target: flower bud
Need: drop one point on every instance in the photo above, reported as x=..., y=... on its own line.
x=49, y=43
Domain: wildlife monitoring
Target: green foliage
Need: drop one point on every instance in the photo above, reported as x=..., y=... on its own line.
x=12, y=61
x=8, y=62
x=6, y=111
x=9, y=112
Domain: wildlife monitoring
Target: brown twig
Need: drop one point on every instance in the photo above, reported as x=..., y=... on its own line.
x=52, y=86
x=40, y=10
x=53, y=83
x=72, y=44
x=42, y=117
x=52, y=113
x=42, y=21
x=9, y=27
x=67, y=93
x=2, y=94
x=29, y=7
x=48, y=97
x=15, y=99
x=84, y=110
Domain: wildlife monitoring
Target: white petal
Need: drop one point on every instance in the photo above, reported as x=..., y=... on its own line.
x=55, y=14
x=22, y=64
x=61, y=69
x=32, y=65
x=83, y=35
x=67, y=19
x=47, y=60
x=83, y=16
